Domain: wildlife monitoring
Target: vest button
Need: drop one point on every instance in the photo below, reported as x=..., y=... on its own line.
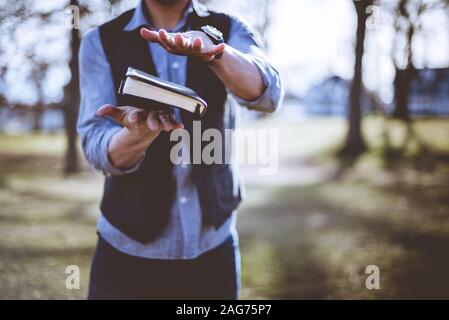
x=183, y=200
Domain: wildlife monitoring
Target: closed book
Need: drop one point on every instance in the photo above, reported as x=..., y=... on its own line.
x=142, y=90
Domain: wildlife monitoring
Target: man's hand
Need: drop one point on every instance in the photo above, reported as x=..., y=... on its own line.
x=235, y=69
x=140, y=123
x=191, y=43
x=140, y=129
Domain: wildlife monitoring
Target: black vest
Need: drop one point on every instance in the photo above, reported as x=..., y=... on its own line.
x=139, y=203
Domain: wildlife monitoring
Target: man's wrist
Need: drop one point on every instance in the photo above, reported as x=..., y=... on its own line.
x=126, y=148
x=219, y=63
x=135, y=139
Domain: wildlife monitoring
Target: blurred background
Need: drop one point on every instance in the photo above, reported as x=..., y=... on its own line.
x=364, y=153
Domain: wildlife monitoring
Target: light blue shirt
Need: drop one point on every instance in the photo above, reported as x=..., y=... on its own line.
x=187, y=236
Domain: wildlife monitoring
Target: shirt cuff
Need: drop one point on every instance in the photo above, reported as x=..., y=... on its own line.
x=265, y=101
x=107, y=167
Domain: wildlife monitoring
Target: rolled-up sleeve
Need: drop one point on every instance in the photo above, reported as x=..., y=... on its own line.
x=242, y=38
x=97, y=89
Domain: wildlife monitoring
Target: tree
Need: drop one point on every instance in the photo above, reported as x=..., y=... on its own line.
x=71, y=90
x=34, y=66
x=404, y=78
x=71, y=101
x=38, y=74
x=408, y=23
x=355, y=144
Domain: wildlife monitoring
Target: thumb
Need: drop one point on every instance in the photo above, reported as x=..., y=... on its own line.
x=113, y=112
x=215, y=50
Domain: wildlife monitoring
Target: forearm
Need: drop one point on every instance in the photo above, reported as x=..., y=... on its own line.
x=239, y=74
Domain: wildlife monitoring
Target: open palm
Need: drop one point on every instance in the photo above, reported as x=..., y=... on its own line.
x=191, y=43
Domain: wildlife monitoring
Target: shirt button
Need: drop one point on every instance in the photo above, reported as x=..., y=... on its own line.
x=183, y=200
x=175, y=65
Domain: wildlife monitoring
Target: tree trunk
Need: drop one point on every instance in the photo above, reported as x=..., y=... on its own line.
x=404, y=80
x=402, y=85
x=71, y=105
x=355, y=143
x=37, y=115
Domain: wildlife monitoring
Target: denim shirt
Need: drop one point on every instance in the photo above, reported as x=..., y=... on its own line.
x=187, y=236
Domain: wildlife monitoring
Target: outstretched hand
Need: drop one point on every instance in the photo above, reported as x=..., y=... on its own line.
x=140, y=129
x=191, y=43
x=139, y=122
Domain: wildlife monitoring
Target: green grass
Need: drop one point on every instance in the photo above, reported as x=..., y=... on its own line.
x=298, y=240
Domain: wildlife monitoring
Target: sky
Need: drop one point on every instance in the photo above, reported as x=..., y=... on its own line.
x=312, y=39
x=309, y=40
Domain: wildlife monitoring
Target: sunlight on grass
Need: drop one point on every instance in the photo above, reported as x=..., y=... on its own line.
x=298, y=240
x=261, y=282
x=32, y=143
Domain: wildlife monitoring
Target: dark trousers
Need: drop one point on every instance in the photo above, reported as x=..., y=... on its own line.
x=213, y=275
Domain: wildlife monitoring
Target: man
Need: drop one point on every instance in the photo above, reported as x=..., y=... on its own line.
x=167, y=231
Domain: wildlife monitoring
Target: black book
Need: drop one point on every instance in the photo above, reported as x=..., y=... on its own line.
x=145, y=91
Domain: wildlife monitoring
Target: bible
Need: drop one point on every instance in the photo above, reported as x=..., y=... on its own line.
x=142, y=90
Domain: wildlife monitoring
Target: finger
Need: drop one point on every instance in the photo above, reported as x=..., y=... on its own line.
x=176, y=124
x=164, y=117
x=166, y=40
x=113, y=112
x=153, y=121
x=215, y=50
x=150, y=35
x=180, y=41
x=136, y=116
x=197, y=44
